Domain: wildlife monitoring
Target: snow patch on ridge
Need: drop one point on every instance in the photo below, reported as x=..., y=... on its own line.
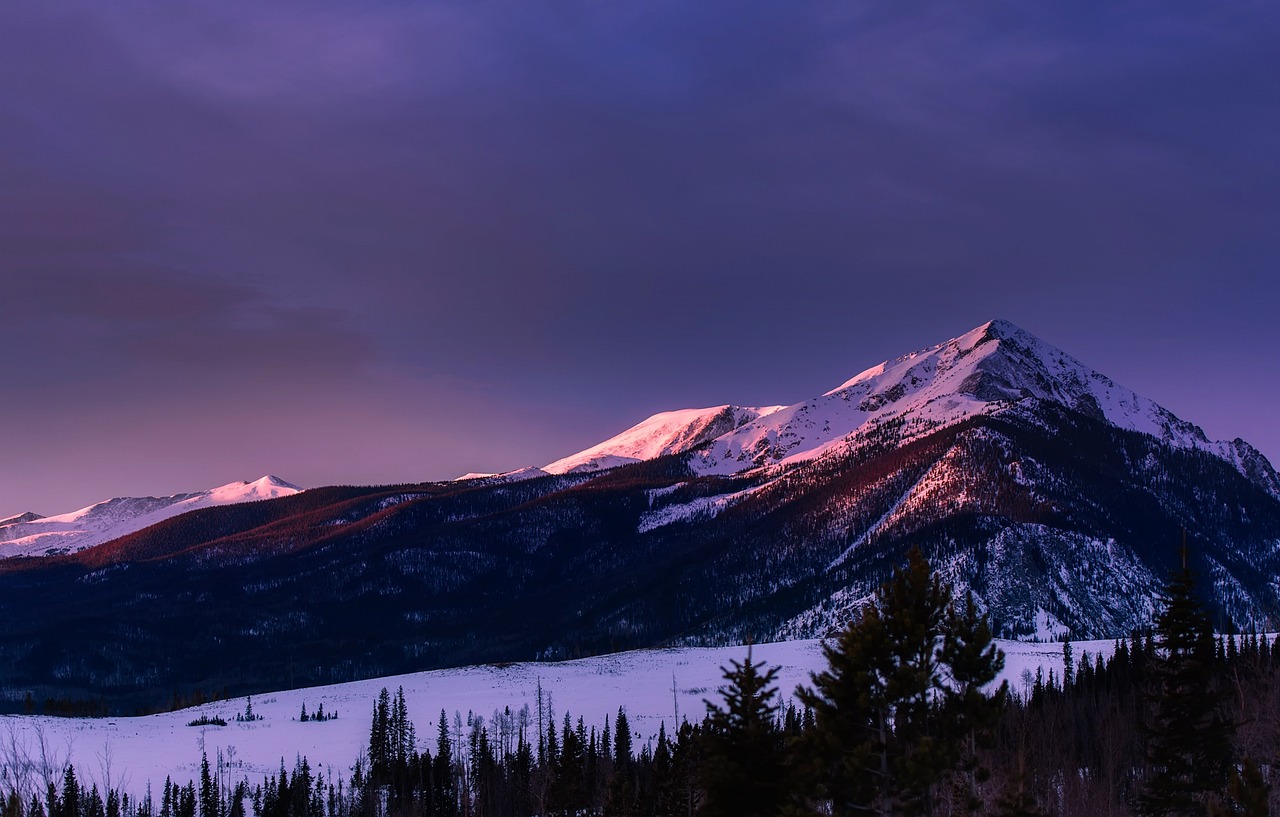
x=702, y=508
x=518, y=475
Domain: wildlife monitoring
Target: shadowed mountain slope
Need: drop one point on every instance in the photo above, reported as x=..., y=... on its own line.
x=1062, y=513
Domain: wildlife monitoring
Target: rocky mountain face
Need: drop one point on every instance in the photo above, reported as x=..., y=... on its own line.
x=1058, y=497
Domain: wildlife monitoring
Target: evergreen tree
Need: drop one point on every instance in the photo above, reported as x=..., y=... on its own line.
x=622, y=740
x=444, y=793
x=744, y=770
x=380, y=739
x=1189, y=738
x=208, y=790
x=877, y=744
x=970, y=713
x=851, y=719
x=621, y=798
x=70, y=801
x=187, y=801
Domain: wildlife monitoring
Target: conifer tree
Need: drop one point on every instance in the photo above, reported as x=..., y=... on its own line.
x=622, y=740
x=1189, y=738
x=620, y=800
x=208, y=789
x=70, y=800
x=444, y=792
x=379, y=739
x=876, y=743
x=970, y=713
x=744, y=769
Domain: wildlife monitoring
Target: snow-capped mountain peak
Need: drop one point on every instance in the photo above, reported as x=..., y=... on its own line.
x=993, y=368
x=267, y=487
x=34, y=535
x=22, y=517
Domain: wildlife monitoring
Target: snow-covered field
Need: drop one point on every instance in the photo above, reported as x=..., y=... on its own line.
x=655, y=686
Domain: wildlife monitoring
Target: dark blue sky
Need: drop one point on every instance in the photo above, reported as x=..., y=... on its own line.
x=372, y=242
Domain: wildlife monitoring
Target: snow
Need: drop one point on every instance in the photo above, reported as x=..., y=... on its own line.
x=518, y=475
x=701, y=508
x=991, y=369
x=669, y=432
x=22, y=517
x=113, y=518
x=146, y=749
x=878, y=524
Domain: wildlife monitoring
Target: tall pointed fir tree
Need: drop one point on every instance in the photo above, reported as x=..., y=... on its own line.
x=744, y=766
x=971, y=709
x=1189, y=753
x=879, y=744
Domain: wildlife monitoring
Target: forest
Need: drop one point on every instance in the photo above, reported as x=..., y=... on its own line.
x=904, y=720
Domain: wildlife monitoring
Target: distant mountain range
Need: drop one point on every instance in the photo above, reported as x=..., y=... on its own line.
x=30, y=534
x=1057, y=496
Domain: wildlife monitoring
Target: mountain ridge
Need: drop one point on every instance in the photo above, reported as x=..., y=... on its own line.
x=30, y=534
x=1055, y=496
x=919, y=389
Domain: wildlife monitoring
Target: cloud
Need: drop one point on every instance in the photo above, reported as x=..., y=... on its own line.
x=618, y=208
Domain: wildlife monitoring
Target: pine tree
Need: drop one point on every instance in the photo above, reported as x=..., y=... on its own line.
x=444, y=792
x=380, y=739
x=208, y=790
x=1189, y=739
x=970, y=713
x=71, y=806
x=744, y=770
x=851, y=721
x=876, y=743
x=620, y=800
x=622, y=740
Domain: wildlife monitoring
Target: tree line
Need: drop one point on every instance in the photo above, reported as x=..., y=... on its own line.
x=907, y=718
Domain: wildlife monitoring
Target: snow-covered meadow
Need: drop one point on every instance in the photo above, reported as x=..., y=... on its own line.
x=656, y=686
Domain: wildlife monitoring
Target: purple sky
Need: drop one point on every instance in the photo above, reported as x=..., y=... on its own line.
x=377, y=242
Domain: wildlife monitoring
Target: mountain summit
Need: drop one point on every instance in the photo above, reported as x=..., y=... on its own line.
x=993, y=369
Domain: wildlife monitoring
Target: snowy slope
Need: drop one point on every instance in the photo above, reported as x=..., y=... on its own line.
x=669, y=432
x=518, y=475
x=994, y=368
x=34, y=535
x=146, y=749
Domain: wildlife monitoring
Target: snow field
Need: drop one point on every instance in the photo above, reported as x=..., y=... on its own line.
x=655, y=686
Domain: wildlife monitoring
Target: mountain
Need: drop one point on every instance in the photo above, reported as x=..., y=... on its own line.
x=1056, y=496
x=993, y=369
x=33, y=535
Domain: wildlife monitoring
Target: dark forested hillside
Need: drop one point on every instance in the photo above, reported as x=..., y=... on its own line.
x=1058, y=522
